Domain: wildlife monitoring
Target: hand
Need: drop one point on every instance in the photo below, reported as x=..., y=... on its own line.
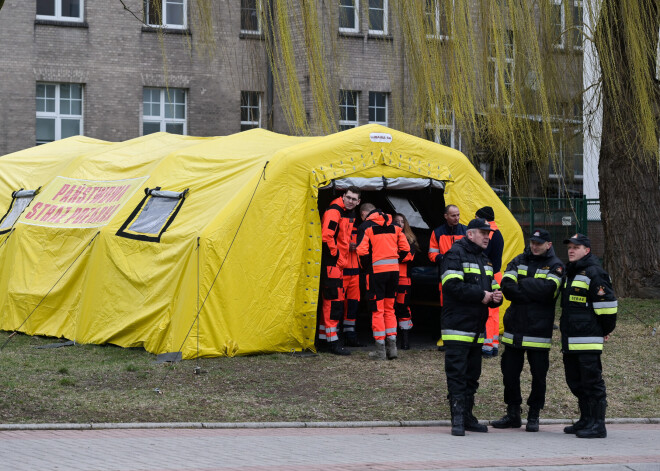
x=606, y=338
x=488, y=296
x=497, y=296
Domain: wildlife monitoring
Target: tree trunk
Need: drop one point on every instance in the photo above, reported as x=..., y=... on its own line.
x=628, y=173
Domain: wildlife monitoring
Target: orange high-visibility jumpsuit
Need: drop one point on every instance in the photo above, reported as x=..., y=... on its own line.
x=387, y=245
x=492, y=342
x=337, y=225
x=351, y=276
x=402, y=303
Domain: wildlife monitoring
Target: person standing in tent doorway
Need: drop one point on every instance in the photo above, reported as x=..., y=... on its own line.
x=402, y=303
x=469, y=289
x=531, y=282
x=442, y=238
x=337, y=226
x=351, y=277
x=387, y=246
x=588, y=316
x=494, y=253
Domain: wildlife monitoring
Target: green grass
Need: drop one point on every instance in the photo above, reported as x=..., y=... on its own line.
x=91, y=383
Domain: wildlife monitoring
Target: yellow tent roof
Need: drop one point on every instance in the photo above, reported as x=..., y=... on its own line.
x=243, y=249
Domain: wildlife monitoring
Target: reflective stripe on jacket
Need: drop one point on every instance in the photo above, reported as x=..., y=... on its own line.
x=466, y=273
x=532, y=284
x=589, y=306
x=442, y=239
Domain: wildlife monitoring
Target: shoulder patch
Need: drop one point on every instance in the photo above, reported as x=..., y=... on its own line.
x=559, y=270
x=601, y=291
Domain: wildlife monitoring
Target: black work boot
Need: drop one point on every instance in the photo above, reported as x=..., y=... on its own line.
x=595, y=428
x=470, y=421
x=533, y=420
x=405, y=340
x=337, y=349
x=511, y=419
x=457, y=404
x=582, y=422
x=390, y=347
x=351, y=339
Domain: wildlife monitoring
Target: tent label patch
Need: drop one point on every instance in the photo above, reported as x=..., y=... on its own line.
x=74, y=203
x=380, y=137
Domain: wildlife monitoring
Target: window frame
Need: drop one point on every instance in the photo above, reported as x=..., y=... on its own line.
x=345, y=124
x=58, y=14
x=258, y=9
x=437, y=15
x=57, y=115
x=375, y=107
x=249, y=106
x=436, y=128
x=378, y=32
x=124, y=230
x=576, y=39
x=163, y=16
x=493, y=75
x=356, y=17
x=161, y=119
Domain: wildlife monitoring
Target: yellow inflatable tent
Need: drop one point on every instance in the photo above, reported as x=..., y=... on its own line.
x=205, y=246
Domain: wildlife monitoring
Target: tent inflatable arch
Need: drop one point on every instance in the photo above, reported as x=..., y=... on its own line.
x=204, y=246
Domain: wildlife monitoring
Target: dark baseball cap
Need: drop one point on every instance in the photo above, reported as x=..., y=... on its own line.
x=540, y=235
x=479, y=223
x=578, y=239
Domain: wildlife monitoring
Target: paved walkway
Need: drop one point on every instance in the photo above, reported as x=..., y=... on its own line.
x=629, y=446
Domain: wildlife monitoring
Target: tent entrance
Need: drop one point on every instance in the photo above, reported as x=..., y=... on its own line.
x=422, y=201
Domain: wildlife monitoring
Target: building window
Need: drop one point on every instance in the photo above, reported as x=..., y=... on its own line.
x=61, y=10
x=167, y=13
x=566, y=22
x=348, y=16
x=250, y=19
x=437, y=20
x=164, y=109
x=348, y=109
x=250, y=110
x=378, y=17
x=378, y=108
x=59, y=111
x=443, y=130
x=501, y=82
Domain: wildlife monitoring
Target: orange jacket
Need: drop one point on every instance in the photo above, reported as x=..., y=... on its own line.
x=385, y=242
x=442, y=238
x=337, y=226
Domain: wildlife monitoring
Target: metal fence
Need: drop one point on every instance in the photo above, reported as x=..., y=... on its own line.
x=562, y=217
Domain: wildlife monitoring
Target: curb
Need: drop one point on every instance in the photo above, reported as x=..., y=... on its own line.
x=264, y=425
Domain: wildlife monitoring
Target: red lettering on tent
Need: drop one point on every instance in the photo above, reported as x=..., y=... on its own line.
x=92, y=215
x=120, y=193
x=46, y=206
x=61, y=192
x=99, y=194
x=83, y=194
x=61, y=216
x=75, y=214
x=68, y=194
x=49, y=213
x=91, y=194
x=82, y=215
x=34, y=210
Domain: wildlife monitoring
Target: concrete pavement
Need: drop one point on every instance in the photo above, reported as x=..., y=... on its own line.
x=319, y=447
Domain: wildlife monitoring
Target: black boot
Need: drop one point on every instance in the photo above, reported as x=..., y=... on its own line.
x=511, y=419
x=457, y=404
x=470, y=421
x=351, y=339
x=405, y=340
x=533, y=420
x=580, y=424
x=337, y=349
x=595, y=428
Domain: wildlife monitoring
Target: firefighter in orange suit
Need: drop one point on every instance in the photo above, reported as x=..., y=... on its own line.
x=402, y=304
x=442, y=238
x=337, y=226
x=494, y=251
x=351, y=276
x=387, y=245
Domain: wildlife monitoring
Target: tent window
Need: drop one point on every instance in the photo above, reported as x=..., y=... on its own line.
x=153, y=215
x=20, y=200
